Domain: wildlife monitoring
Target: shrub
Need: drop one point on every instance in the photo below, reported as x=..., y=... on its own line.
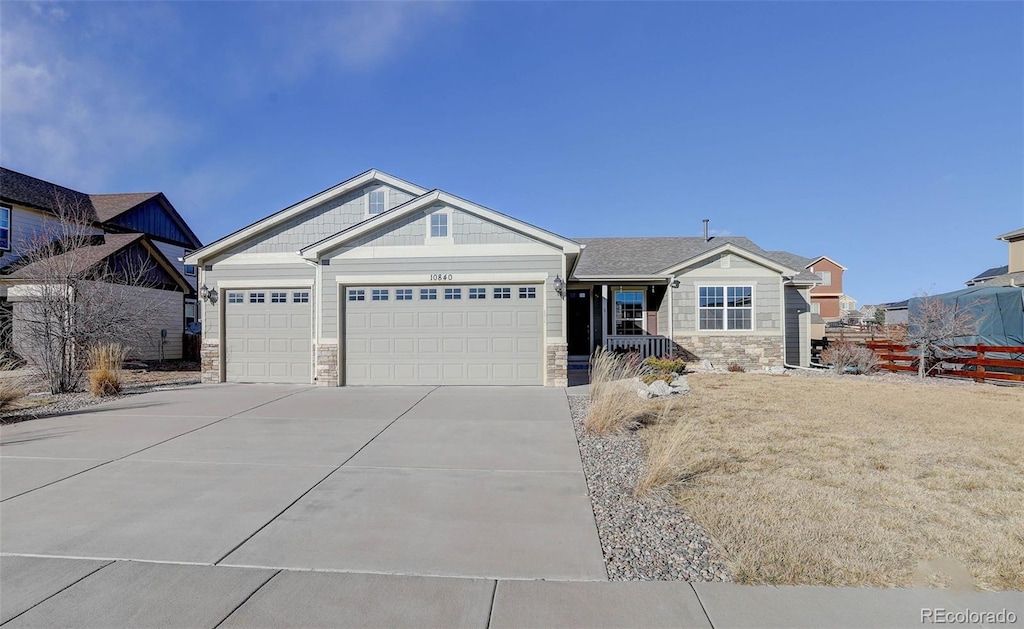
x=666, y=364
x=736, y=368
x=668, y=377
x=105, y=369
x=11, y=387
x=613, y=398
x=846, y=357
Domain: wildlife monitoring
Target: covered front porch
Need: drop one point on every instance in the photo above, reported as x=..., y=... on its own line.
x=631, y=314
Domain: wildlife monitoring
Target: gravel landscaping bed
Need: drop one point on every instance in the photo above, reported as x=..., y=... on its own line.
x=69, y=402
x=645, y=539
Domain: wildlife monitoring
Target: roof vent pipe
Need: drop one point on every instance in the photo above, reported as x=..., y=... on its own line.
x=706, y=221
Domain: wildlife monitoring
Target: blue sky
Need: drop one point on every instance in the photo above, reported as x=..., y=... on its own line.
x=888, y=136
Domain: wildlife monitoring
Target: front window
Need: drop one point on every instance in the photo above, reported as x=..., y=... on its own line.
x=826, y=277
x=726, y=308
x=629, y=312
x=5, y=228
x=439, y=225
x=376, y=201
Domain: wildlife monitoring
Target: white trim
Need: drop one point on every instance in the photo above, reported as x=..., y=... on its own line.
x=621, y=278
x=458, y=279
x=250, y=259
x=273, y=220
x=316, y=250
x=447, y=251
x=284, y=283
x=730, y=248
x=820, y=258
x=725, y=308
x=643, y=309
x=448, y=238
x=367, y=214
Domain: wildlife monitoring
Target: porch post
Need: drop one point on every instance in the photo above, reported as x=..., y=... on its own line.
x=671, y=322
x=604, y=316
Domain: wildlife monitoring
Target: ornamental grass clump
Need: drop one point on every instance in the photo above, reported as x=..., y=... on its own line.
x=105, y=369
x=11, y=387
x=613, y=393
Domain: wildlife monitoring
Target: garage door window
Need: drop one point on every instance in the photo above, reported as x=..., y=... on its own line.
x=357, y=294
x=428, y=294
x=527, y=292
x=278, y=298
x=403, y=294
x=301, y=297
x=503, y=293
x=236, y=298
x=453, y=293
x=380, y=294
x=257, y=298
x=478, y=293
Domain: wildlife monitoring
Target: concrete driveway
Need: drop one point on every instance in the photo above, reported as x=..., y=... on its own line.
x=467, y=482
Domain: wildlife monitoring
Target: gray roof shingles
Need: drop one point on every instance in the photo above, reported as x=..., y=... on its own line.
x=82, y=257
x=24, y=189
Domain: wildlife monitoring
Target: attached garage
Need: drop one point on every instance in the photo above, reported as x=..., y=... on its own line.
x=267, y=334
x=443, y=334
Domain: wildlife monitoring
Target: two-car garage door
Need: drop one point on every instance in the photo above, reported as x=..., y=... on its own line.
x=487, y=334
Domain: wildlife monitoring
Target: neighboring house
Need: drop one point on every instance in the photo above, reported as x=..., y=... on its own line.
x=896, y=312
x=380, y=281
x=143, y=225
x=827, y=297
x=1011, y=274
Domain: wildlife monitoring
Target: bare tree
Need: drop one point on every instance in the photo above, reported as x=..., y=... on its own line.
x=934, y=328
x=73, y=295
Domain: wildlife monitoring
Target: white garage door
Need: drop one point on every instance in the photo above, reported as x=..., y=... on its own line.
x=443, y=334
x=267, y=335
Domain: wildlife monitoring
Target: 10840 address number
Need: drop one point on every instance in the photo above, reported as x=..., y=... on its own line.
x=440, y=277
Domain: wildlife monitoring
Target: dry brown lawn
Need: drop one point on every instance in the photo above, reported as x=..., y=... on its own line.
x=846, y=481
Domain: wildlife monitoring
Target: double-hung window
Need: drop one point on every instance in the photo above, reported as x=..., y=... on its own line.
x=5, y=228
x=629, y=311
x=725, y=308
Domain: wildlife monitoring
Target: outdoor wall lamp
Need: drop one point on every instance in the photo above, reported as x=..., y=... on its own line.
x=675, y=283
x=208, y=294
x=559, y=286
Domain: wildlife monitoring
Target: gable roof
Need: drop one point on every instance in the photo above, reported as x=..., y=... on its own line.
x=990, y=273
x=1014, y=235
x=42, y=195
x=91, y=255
x=830, y=260
x=611, y=257
x=315, y=250
x=264, y=224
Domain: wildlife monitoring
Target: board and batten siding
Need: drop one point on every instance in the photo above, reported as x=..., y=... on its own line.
x=455, y=265
x=798, y=322
x=727, y=270
x=320, y=222
x=281, y=275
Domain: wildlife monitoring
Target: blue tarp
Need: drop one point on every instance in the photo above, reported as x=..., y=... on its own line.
x=998, y=313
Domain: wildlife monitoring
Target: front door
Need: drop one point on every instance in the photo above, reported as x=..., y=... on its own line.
x=578, y=310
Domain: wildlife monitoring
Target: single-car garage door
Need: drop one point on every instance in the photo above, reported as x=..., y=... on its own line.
x=267, y=335
x=490, y=334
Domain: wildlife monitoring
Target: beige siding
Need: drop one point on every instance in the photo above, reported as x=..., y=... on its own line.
x=285, y=274
x=319, y=222
x=412, y=266
x=31, y=229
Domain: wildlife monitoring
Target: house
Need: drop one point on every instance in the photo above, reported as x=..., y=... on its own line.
x=896, y=312
x=380, y=281
x=1010, y=274
x=134, y=226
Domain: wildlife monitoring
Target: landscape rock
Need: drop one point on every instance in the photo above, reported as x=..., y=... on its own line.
x=660, y=388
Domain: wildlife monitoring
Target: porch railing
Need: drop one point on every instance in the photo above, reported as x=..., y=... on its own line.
x=646, y=345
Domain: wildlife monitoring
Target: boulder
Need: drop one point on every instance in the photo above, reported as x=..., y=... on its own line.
x=660, y=388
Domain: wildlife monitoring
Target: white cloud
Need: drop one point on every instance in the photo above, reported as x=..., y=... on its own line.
x=65, y=116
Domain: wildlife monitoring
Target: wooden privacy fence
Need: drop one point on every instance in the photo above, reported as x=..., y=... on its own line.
x=190, y=345
x=897, y=357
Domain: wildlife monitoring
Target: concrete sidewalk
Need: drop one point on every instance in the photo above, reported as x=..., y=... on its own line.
x=46, y=592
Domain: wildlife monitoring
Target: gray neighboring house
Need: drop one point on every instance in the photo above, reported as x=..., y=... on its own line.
x=1011, y=274
x=143, y=225
x=380, y=281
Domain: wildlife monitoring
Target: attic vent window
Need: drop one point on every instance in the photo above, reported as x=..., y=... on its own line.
x=376, y=201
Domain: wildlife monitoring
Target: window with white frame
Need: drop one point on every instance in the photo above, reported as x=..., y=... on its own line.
x=257, y=298
x=527, y=292
x=453, y=293
x=375, y=201
x=503, y=293
x=300, y=297
x=356, y=294
x=428, y=294
x=278, y=298
x=5, y=228
x=825, y=276
x=236, y=298
x=380, y=294
x=439, y=225
x=725, y=308
x=478, y=293
x=629, y=311
x=190, y=269
x=816, y=308
x=403, y=294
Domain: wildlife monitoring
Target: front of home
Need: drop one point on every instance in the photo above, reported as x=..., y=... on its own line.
x=380, y=281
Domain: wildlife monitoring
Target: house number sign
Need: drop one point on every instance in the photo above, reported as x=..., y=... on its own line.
x=440, y=277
